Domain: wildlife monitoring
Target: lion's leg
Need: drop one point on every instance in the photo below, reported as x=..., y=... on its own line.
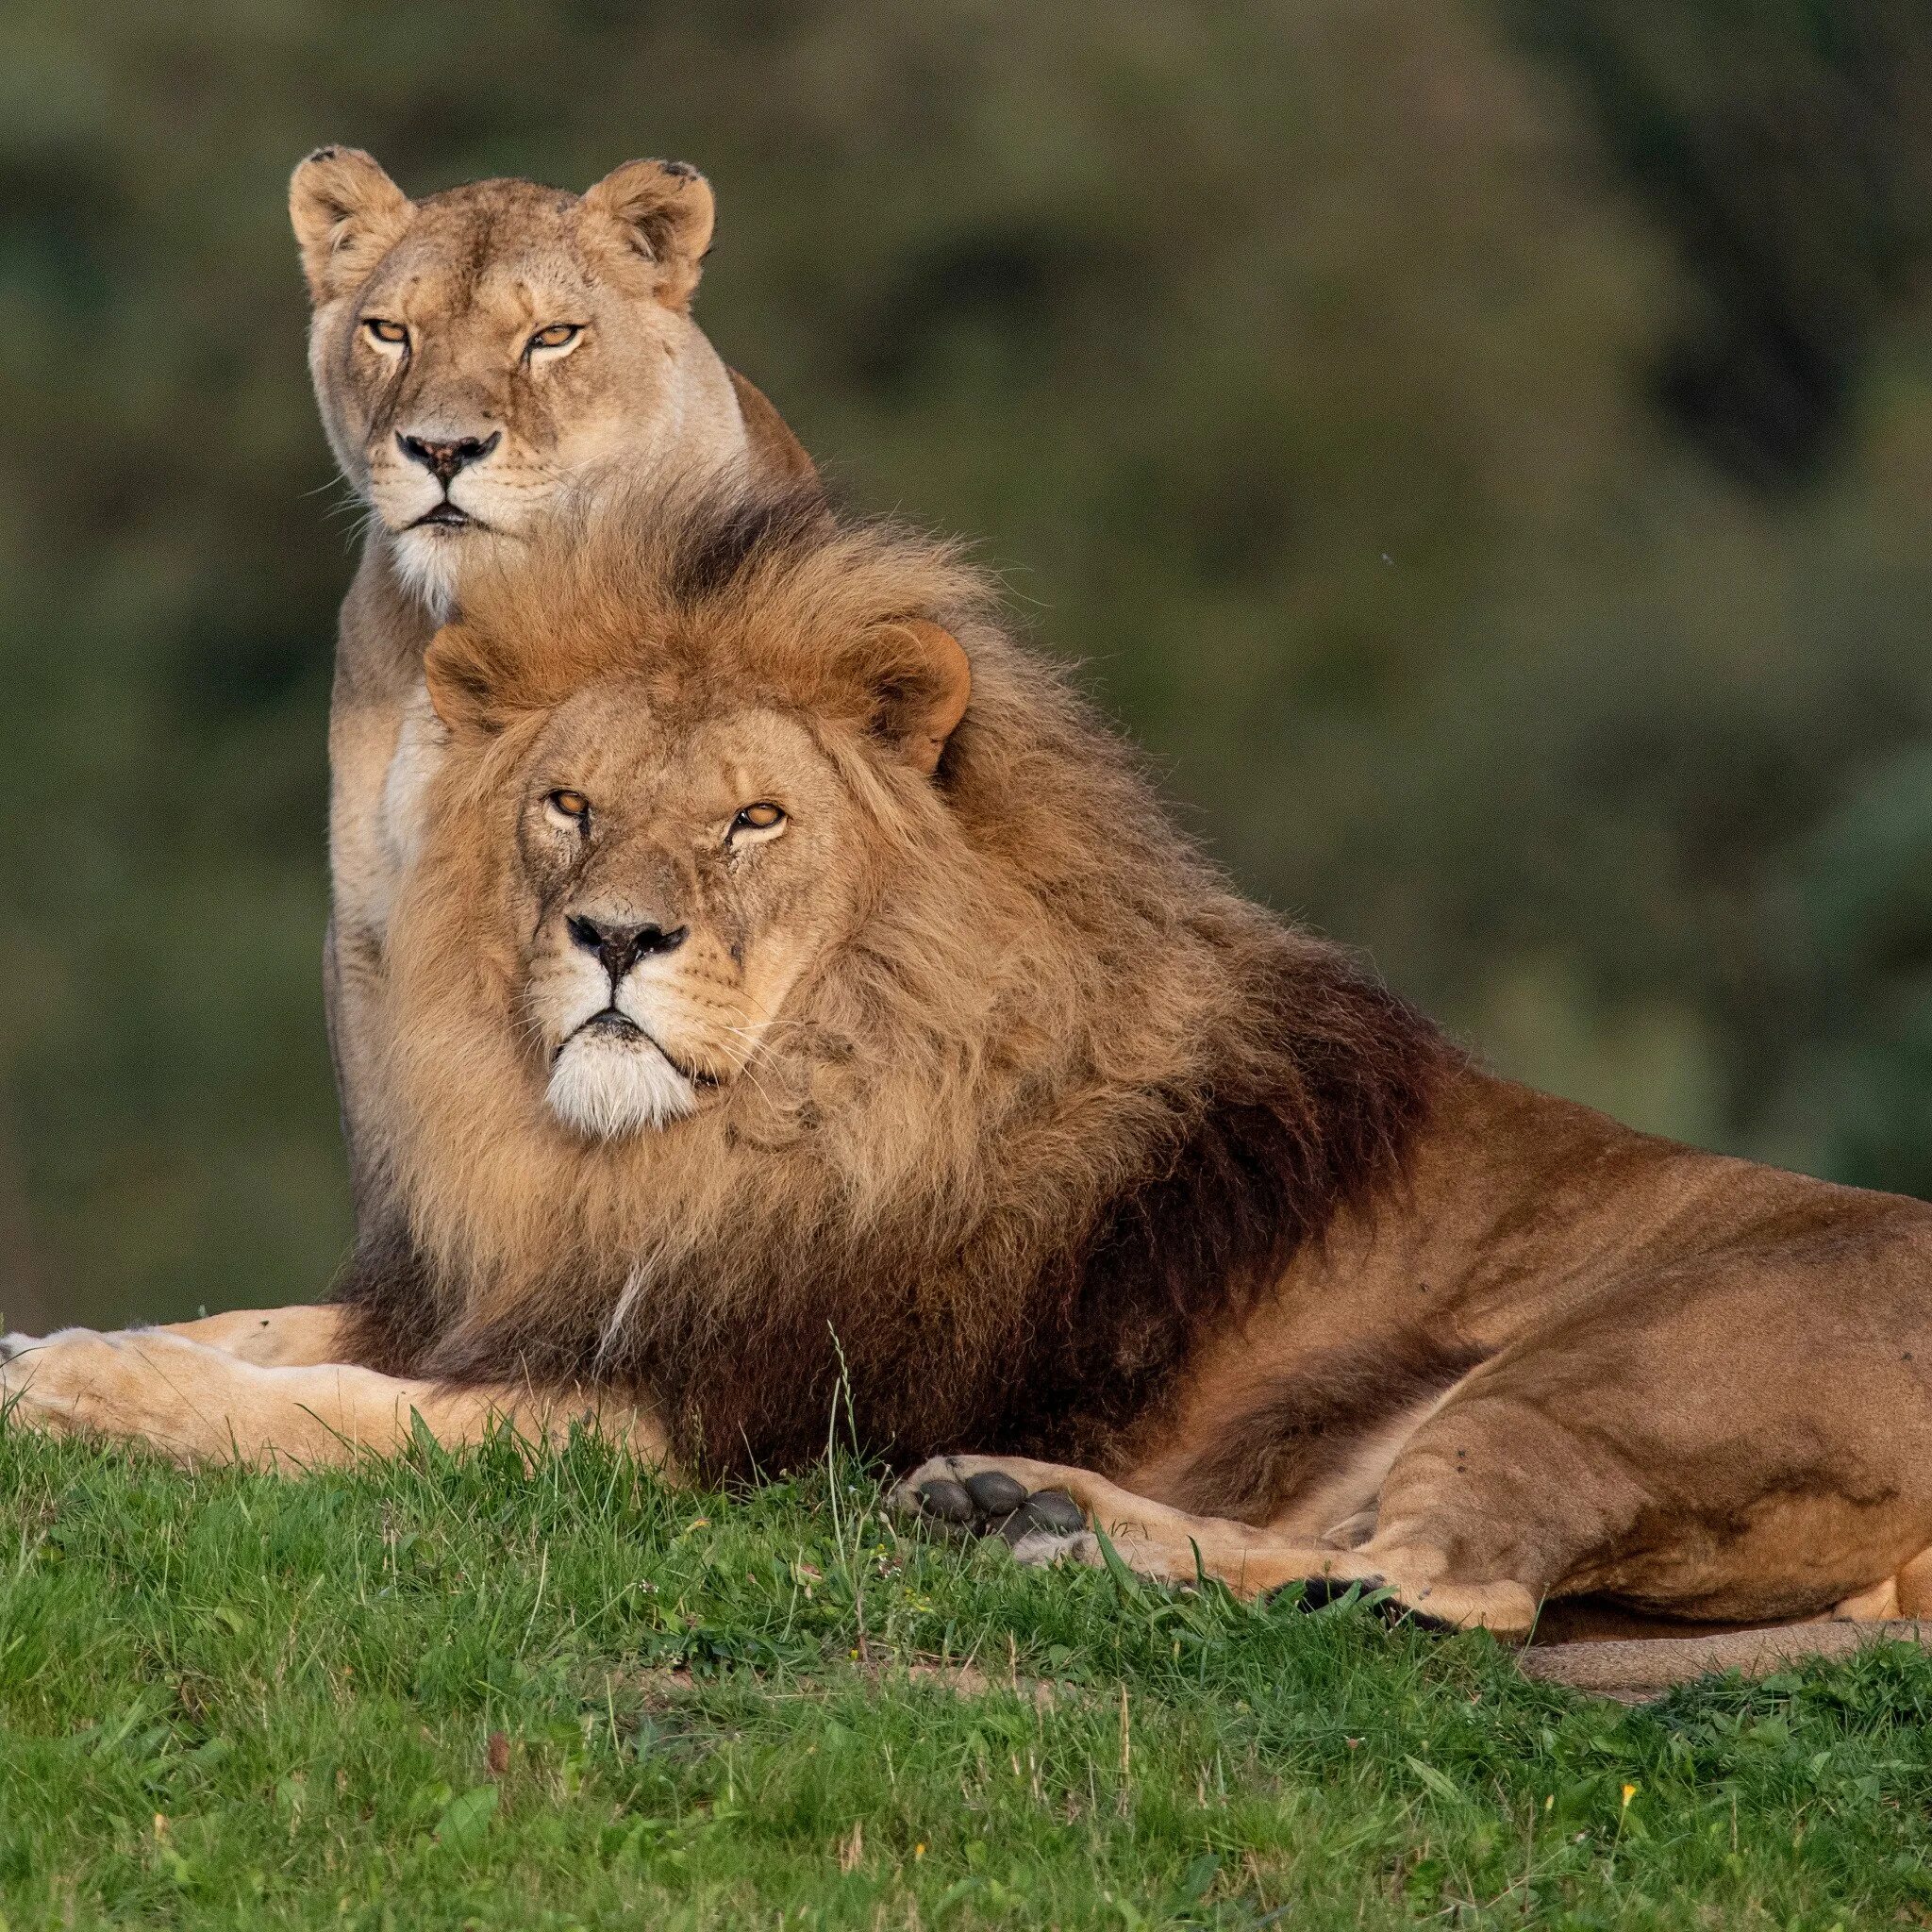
x=1905, y=1593
x=1550, y=1476
x=352, y=978
x=1665, y=1453
x=201, y=1404
x=1025, y=1499
x=1747, y=1442
x=1042, y=1508
x=303, y=1336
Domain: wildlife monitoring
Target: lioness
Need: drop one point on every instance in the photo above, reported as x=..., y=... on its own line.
x=476, y=355
x=796, y=986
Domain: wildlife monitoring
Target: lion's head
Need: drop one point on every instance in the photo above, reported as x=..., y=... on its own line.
x=478, y=352
x=691, y=838
x=794, y=980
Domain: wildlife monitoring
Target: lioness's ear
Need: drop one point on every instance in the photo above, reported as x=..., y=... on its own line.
x=460, y=674
x=664, y=212
x=921, y=683
x=347, y=215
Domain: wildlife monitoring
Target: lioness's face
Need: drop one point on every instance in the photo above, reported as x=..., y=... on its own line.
x=479, y=351
x=669, y=888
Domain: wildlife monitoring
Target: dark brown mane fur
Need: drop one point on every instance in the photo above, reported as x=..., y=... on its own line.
x=1167, y=1094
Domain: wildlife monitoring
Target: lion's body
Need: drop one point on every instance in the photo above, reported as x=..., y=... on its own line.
x=469, y=271
x=1618, y=1366
x=978, y=1092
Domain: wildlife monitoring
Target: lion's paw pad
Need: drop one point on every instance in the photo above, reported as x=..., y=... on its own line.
x=994, y=1504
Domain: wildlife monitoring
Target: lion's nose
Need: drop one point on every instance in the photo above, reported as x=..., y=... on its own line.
x=444, y=458
x=620, y=947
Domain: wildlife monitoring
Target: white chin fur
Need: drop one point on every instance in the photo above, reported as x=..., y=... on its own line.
x=426, y=561
x=605, y=1085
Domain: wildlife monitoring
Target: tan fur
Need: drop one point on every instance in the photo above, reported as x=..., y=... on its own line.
x=1699, y=1391
x=1008, y=1117
x=471, y=274
x=298, y=1337
x=200, y=1403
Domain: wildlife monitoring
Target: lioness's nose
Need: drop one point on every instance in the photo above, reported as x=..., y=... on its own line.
x=620, y=947
x=443, y=459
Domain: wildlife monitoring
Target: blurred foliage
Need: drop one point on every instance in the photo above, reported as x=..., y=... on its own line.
x=1483, y=449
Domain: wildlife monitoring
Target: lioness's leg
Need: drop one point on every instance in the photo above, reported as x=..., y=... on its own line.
x=1029, y=1502
x=200, y=1404
x=352, y=986
x=298, y=1337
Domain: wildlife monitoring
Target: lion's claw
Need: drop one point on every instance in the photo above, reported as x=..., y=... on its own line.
x=1318, y=1592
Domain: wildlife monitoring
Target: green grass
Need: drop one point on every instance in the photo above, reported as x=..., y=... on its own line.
x=457, y=1693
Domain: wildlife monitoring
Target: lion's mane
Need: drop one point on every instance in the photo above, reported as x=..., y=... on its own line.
x=1061, y=1103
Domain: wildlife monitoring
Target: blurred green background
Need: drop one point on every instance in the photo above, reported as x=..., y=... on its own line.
x=1485, y=451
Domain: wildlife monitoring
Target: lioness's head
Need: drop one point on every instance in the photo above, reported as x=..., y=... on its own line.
x=480, y=351
x=685, y=814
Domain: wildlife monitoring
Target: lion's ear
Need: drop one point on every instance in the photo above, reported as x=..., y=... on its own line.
x=920, y=683
x=664, y=212
x=463, y=682
x=347, y=214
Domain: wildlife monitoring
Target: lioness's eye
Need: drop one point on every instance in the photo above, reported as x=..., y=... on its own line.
x=390, y=334
x=558, y=335
x=762, y=817
x=572, y=806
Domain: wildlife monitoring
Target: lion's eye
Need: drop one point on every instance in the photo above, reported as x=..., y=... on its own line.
x=762, y=817
x=558, y=335
x=572, y=806
x=391, y=334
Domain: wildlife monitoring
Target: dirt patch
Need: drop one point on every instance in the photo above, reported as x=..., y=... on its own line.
x=661, y=1688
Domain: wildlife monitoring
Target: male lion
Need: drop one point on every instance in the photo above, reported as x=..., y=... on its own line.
x=476, y=355
x=796, y=987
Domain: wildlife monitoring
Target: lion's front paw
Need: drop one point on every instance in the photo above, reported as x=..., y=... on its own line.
x=51, y=1382
x=977, y=1496
x=28, y=1396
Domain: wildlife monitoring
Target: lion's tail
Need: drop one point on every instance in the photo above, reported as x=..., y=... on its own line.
x=1632, y=1670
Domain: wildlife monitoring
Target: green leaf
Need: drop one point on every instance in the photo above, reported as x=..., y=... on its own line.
x=1439, y=1782
x=1125, y=1579
x=466, y=1818
x=1198, y=1877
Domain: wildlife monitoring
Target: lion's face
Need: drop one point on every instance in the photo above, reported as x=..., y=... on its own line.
x=648, y=844
x=670, y=885
x=480, y=352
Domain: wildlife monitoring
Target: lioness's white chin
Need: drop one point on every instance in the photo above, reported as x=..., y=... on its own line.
x=605, y=1084
x=428, y=560
x=431, y=557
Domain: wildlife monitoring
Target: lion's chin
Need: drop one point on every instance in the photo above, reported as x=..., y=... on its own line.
x=430, y=558
x=607, y=1083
